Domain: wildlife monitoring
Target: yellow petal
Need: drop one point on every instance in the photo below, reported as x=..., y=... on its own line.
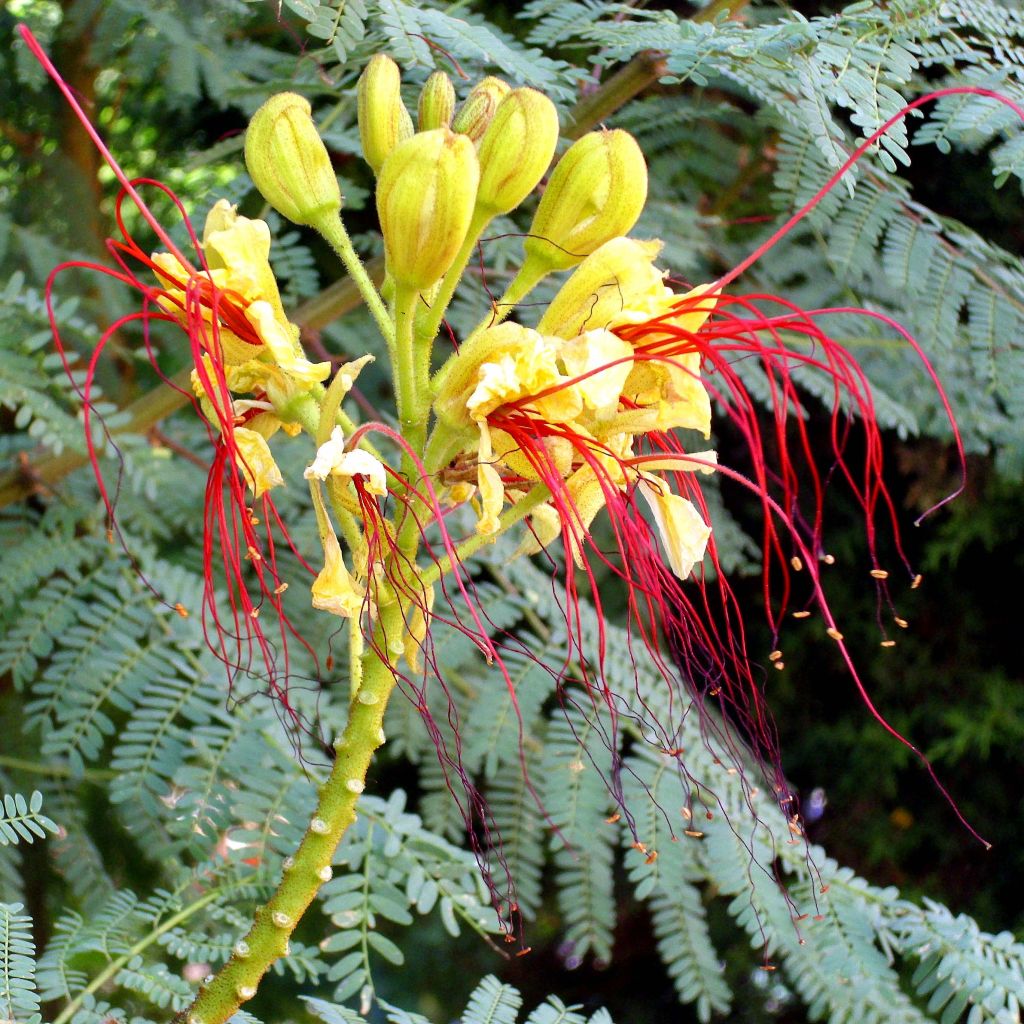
x=589, y=353
x=334, y=590
x=256, y=462
x=684, y=534
x=283, y=346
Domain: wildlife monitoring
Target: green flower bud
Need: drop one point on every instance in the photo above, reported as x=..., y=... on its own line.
x=289, y=163
x=437, y=102
x=516, y=150
x=596, y=192
x=426, y=192
x=383, y=120
x=476, y=112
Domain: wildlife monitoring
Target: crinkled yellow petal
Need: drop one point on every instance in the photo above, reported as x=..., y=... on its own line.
x=492, y=498
x=588, y=353
x=333, y=460
x=335, y=590
x=283, y=347
x=684, y=534
x=256, y=462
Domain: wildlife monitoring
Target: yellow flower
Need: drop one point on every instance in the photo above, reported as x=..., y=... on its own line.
x=254, y=459
x=240, y=287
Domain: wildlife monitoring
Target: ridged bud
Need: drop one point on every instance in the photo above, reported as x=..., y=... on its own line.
x=516, y=150
x=289, y=163
x=426, y=191
x=596, y=192
x=479, y=107
x=437, y=102
x=383, y=120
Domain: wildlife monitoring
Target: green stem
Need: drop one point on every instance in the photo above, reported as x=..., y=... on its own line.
x=432, y=323
x=304, y=873
x=512, y=515
x=411, y=392
x=56, y=771
x=116, y=964
x=337, y=237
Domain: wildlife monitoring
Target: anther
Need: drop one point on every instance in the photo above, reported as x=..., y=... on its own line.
x=902, y=623
x=796, y=563
x=780, y=665
x=255, y=613
x=801, y=615
x=834, y=633
x=639, y=847
x=325, y=873
x=879, y=574
x=280, y=588
x=253, y=553
x=651, y=857
x=888, y=643
x=319, y=826
x=686, y=813
x=775, y=656
x=915, y=582
x=245, y=991
x=829, y=559
x=355, y=785
x=280, y=920
x=181, y=610
x=613, y=819
x=692, y=832
x=241, y=949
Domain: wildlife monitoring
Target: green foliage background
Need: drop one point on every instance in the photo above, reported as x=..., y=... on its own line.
x=123, y=769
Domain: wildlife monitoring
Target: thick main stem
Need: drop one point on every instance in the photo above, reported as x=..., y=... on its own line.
x=310, y=866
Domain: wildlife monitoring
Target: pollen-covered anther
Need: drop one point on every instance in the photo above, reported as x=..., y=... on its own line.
x=686, y=813
x=796, y=563
x=902, y=623
x=325, y=873
x=254, y=614
x=834, y=633
x=888, y=643
x=245, y=991
x=778, y=665
x=693, y=833
x=280, y=588
x=280, y=919
x=916, y=582
x=355, y=785
x=639, y=847
x=319, y=826
x=612, y=819
x=775, y=655
x=802, y=615
x=253, y=553
x=181, y=610
x=651, y=857
x=879, y=574
x=829, y=559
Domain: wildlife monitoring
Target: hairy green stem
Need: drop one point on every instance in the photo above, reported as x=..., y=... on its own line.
x=337, y=237
x=307, y=870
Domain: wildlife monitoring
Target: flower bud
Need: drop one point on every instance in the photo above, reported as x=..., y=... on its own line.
x=426, y=191
x=437, y=102
x=596, y=192
x=614, y=278
x=476, y=112
x=383, y=120
x=289, y=163
x=516, y=150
